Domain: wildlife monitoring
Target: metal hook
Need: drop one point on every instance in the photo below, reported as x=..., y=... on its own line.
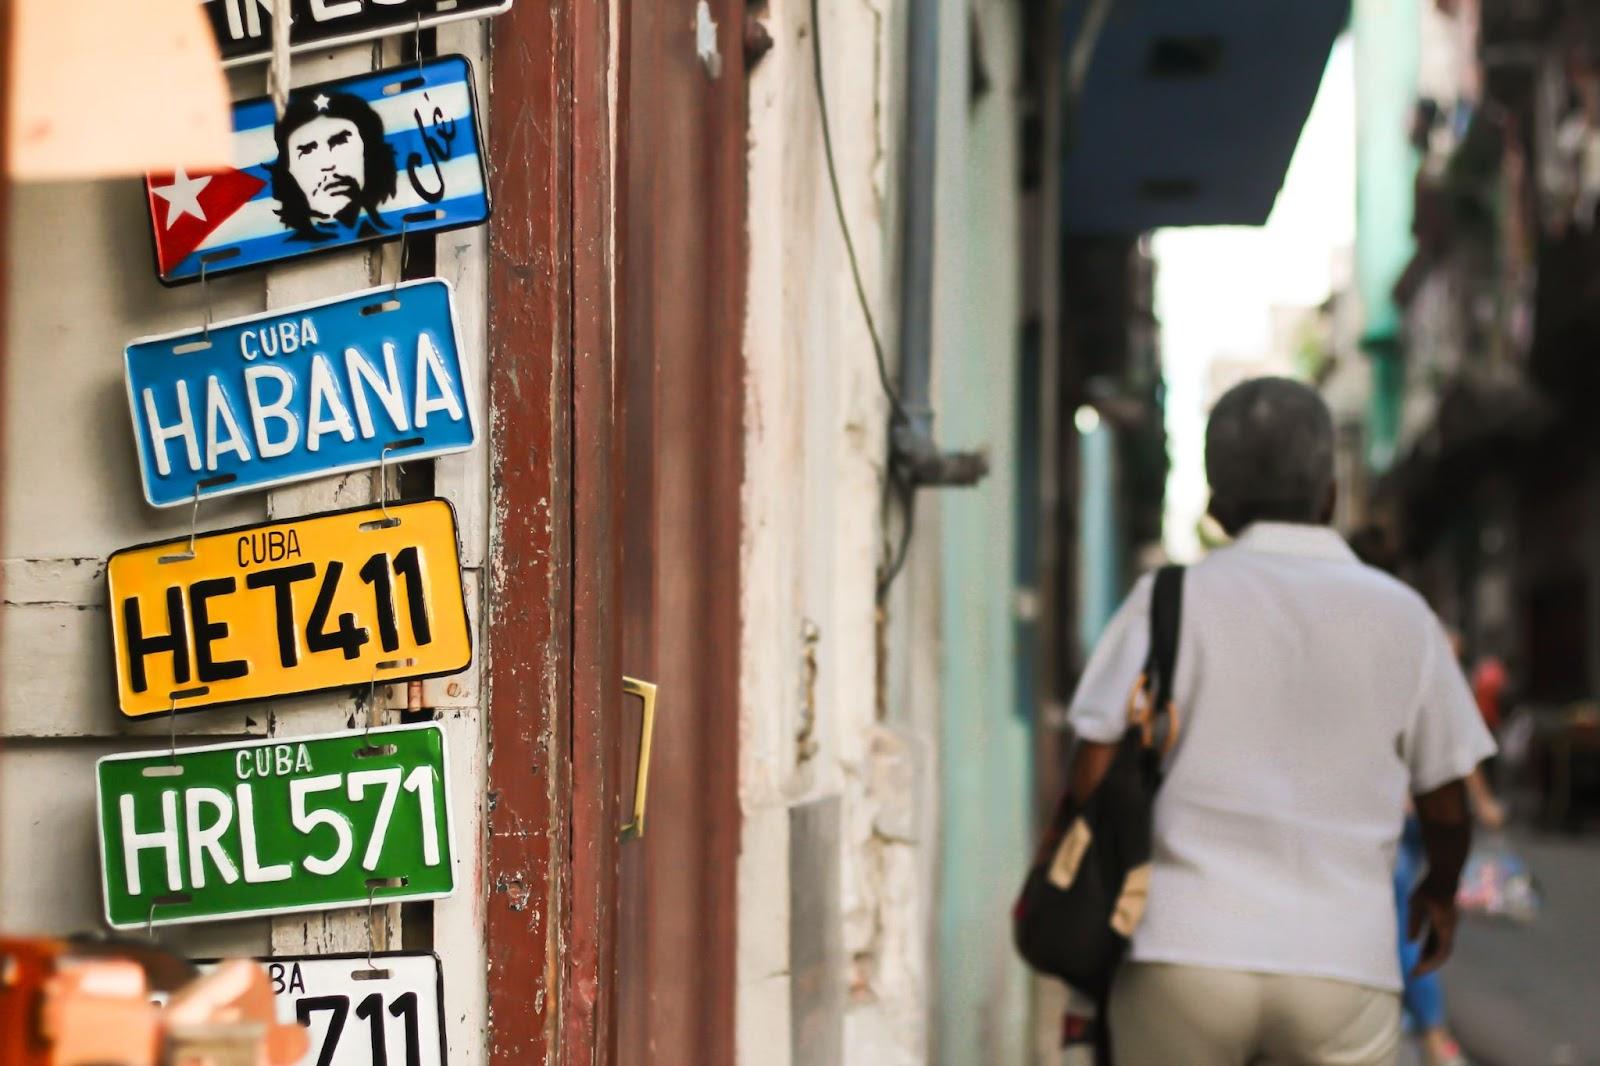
x=371, y=888
x=194, y=532
x=172, y=731
x=405, y=257
x=416, y=43
x=205, y=296
x=383, y=476
x=150, y=921
x=194, y=520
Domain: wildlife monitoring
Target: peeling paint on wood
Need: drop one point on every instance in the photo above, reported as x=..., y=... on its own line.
x=527, y=675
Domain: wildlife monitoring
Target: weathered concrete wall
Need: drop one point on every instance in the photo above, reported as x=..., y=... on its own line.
x=81, y=286
x=814, y=467
x=835, y=704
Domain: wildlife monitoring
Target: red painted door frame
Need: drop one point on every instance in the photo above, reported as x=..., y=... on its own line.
x=553, y=667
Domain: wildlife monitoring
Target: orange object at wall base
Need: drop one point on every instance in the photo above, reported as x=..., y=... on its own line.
x=56, y=1012
x=60, y=1007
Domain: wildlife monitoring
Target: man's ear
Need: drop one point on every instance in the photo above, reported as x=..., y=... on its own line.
x=1330, y=504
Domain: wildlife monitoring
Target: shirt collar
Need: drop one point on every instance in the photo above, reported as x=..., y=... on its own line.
x=1284, y=538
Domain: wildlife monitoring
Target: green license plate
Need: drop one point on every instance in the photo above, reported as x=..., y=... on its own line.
x=275, y=826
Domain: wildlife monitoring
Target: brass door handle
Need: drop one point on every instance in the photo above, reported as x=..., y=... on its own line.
x=647, y=694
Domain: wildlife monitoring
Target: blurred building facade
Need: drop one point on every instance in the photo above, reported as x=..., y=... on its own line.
x=1476, y=339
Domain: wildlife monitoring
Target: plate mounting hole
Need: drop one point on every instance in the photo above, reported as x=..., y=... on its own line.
x=394, y=88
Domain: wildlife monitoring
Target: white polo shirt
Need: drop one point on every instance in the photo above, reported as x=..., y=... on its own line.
x=1315, y=694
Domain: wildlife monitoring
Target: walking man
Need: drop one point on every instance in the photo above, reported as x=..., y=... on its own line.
x=1314, y=695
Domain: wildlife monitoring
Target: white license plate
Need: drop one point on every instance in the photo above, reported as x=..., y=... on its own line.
x=389, y=1012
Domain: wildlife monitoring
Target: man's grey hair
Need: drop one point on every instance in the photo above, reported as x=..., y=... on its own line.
x=1269, y=445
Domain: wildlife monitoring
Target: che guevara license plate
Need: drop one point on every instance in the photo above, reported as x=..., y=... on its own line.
x=299, y=392
x=333, y=600
x=275, y=826
x=367, y=158
x=363, y=1010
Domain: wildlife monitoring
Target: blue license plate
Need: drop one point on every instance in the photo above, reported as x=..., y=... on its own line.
x=361, y=159
x=300, y=392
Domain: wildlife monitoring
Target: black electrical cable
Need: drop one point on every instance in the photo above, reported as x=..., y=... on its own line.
x=844, y=224
x=889, y=570
x=908, y=504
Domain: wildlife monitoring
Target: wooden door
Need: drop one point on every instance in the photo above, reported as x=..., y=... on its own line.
x=616, y=315
x=682, y=329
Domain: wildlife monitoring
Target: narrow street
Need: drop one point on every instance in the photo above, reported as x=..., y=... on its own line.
x=440, y=439
x=1525, y=995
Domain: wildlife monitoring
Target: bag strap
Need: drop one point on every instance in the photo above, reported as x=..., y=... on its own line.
x=1161, y=666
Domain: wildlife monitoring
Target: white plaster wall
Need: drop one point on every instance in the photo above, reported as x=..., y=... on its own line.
x=81, y=287
x=812, y=511
x=814, y=458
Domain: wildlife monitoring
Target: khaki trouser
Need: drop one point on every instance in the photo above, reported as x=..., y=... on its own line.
x=1163, y=1015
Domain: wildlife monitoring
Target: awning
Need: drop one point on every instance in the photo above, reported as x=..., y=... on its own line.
x=1189, y=110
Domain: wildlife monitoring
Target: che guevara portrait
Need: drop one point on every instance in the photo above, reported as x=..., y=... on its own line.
x=334, y=169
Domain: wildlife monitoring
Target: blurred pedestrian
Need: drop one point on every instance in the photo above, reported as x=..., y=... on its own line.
x=1313, y=695
x=1422, y=995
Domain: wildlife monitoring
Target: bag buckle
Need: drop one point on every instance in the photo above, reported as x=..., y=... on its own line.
x=1142, y=716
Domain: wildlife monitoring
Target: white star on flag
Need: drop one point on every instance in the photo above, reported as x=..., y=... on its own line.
x=182, y=196
x=322, y=101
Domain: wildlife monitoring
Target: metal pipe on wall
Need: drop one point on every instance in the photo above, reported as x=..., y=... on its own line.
x=911, y=442
x=916, y=235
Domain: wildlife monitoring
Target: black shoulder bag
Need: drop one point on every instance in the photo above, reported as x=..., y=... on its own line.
x=1086, y=891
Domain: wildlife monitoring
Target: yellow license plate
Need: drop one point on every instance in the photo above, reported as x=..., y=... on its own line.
x=284, y=608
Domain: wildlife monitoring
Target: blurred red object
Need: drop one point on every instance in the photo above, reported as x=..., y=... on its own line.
x=1489, y=680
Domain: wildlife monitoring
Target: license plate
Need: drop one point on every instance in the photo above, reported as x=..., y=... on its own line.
x=243, y=28
x=356, y=160
x=275, y=826
x=349, y=598
x=363, y=1010
x=299, y=392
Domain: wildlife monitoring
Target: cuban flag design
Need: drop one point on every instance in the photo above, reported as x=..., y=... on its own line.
x=360, y=159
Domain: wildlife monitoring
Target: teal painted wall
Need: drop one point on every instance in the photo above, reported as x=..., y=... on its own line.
x=1387, y=53
x=985, y=745
x=981, y=1010
x=1099, y=561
